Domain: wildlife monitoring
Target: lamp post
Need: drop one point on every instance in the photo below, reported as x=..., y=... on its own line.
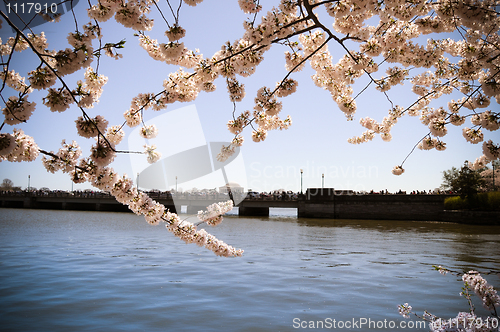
x=493, y=164
x=29, y=178
x=301, y=171
x=322, y=180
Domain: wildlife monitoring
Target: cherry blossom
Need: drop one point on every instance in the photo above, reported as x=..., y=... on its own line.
x=479, y=163
x=464, y=321
x=483, y=290
x=225, y=152
x=473, y=136
x=58, y=100
x=18, y=110
x=175, y=33
x=22, y=147
x=398, y=170
x=491, y=150
x=15, y=81
x=152, y=155
x=405, y=310
x=91, y=127
x=65, y=159
x=115, y=134
x=7, y=144
x=213, y=215
x=149, y=131
x=102, y=152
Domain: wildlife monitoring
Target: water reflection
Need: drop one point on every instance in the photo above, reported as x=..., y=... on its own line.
x=469, y=246
x=398, y=226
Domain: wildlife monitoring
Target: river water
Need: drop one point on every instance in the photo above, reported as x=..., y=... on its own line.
x=100, y=271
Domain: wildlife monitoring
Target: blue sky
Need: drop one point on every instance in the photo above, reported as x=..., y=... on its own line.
x=316, y=142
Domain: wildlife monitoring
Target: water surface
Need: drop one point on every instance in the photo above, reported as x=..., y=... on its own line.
x=100, y=271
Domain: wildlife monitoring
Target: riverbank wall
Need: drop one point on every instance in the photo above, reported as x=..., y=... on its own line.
x=64, y=201
x=383, y=207
x=322, y=203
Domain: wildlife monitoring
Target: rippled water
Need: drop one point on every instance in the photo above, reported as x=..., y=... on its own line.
x=99, y=271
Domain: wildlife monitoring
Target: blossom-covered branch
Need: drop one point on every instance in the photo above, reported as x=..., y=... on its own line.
x=465, y=321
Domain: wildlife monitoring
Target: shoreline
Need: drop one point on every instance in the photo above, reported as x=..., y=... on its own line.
x=468, y=217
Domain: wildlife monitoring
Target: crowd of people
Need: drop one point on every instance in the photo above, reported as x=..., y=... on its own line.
x=415, y=192
x=213, y=194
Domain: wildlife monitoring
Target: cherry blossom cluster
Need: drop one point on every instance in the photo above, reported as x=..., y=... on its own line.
x=213, y=215
x=149, y=131
x=91, y=127
x=130, y=14
x=398, y=170
x=188, y=232
x=429, y=143
x=483, y=289
x=383, y=129
x=17, y=110
x=337, y=78
x=151, y=153
x=226, y=152
x=249, y=6
x=58, y=100
x=392, y=39
x=102, y=152
x=237, y=125
x=236, y=90
x=115, y=134
x=91, y=90
x=65, y=159
x=405, y=310
x=464, y=321
x=15, y=81
x=491, y=151
x=238, y=58
x=18, y=147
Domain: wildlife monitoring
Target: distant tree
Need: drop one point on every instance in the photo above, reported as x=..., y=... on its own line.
x=7, y=184
x=468, y=182
x=490, y=183
x=448, y=177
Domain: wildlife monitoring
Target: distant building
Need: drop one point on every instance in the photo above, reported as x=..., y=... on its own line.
x=235, y=188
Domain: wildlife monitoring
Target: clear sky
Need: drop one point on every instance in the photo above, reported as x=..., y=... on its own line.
x=316, y=142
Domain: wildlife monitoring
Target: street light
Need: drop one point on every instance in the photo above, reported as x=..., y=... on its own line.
x=493, y=164
x=301, y=171
x=29, y=178
x=322, y=180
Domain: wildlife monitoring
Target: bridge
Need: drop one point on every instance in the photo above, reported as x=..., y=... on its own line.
x=315, y=203
x=100, y=201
